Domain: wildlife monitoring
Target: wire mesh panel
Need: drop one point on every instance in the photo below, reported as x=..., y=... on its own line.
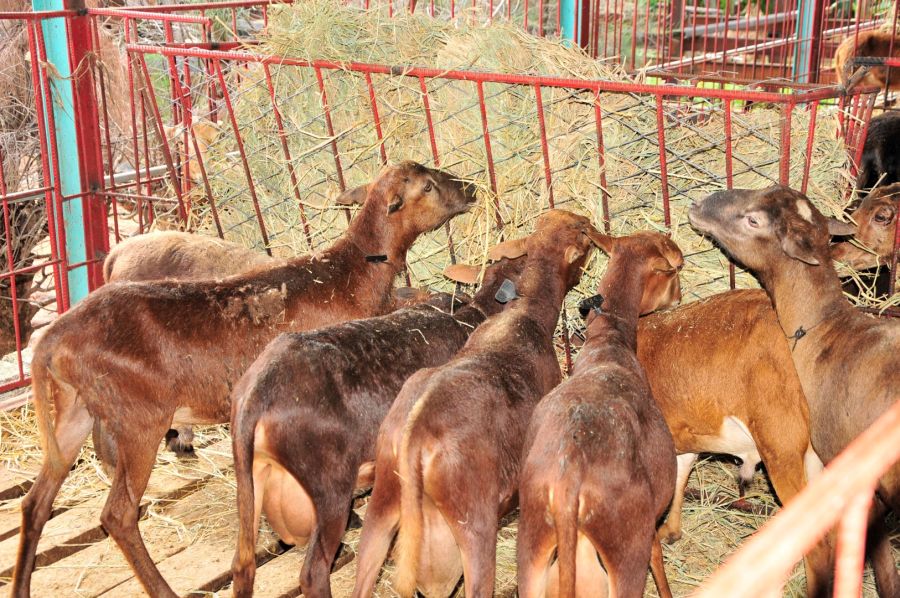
x=292, y=134
x=749, y=41
x=33, y=244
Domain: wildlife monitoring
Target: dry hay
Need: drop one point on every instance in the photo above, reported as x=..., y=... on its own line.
x=322, y=29
x=711, y=530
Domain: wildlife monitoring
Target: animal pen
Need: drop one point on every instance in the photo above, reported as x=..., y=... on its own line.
x=244, y=119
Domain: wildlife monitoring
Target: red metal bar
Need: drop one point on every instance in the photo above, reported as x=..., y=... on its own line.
x=39, y=15
x=820, y=93
x=149, y=16
x=164, y=142
x=43, y=82
x=428, y=121
x=202, y=6
x=134, y=127
x=11, y=264
x=295, y=184
x=488, y=153
x=82, y=55
x=729, y=175
x=784, y=173
x=330, y=126
x=376, y=118
x=209, y=193
x=46, y=190
x=106, y=131
x=768, y=557
x=663, y=169
x=810, y=136
x=226, y=96
x=601, y=159
x=544, y=149
x=851, y=545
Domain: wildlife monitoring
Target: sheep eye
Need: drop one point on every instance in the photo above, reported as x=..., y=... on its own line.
x=882, y=217
x=752, y=221
x=427, y=187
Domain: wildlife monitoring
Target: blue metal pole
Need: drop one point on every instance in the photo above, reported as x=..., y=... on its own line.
x=806, y=51
x=63, y=106
x=568, y=20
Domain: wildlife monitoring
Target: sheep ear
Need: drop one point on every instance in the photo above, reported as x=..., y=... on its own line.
x=508, y=249
x=353, y=196
x=463, y=273
x=396, y=204
x=573, y=252
x=604, y=242
x=840, y=228
x=799, y=249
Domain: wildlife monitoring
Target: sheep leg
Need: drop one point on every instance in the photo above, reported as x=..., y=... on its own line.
x=379, y=529
x=122, y=510
x=881, y=556
x=534, y=546
x=477, y=541
x=324, y=544
x=73, y=424
x=670, y=531
x=658, y=569
x=105, y=448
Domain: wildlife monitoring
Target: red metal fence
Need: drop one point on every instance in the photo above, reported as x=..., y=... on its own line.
x=841, y=496
x=786, y=39
x=198, y=131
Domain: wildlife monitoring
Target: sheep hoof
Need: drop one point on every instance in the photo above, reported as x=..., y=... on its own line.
x=354, y=522
x=667, y=536
x=183, y=449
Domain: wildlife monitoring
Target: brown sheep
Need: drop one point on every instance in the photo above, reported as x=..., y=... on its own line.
x=599, y=469
x=174, y=255
x=165, y=353
x=867, y=44
x=779, y=235
x=305, y=418
x=448, y=452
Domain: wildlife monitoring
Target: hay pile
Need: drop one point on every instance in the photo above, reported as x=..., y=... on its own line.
x=323, y=29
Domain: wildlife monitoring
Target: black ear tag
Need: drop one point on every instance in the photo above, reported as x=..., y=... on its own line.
x=590, y=303
x=506, y=292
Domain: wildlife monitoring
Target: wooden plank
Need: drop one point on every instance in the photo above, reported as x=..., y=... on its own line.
x=102, y=566
x=280, y=577
x=10, y=402
x=76, y=528
x=14, y=484
x=204, y=567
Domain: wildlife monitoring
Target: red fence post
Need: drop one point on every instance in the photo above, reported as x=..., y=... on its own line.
x=87, y=123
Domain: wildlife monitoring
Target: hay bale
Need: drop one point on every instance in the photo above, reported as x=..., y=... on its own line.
x=323, y=29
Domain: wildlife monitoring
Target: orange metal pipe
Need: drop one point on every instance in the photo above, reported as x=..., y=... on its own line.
x=766, y=560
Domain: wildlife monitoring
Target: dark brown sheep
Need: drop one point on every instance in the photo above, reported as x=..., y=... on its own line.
x=305, y=418
x=448, y=452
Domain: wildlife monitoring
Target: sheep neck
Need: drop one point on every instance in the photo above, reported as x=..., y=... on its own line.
x=622, y=288
x=807, y=298
x=541, y=290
